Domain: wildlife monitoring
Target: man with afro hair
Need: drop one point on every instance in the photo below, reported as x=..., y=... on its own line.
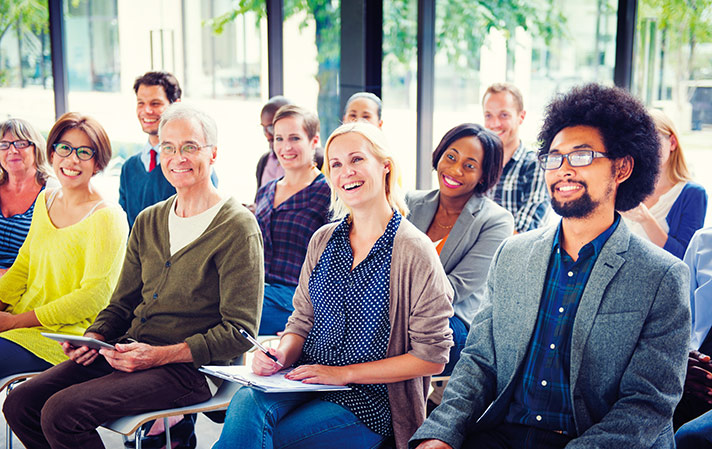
x=581, y=339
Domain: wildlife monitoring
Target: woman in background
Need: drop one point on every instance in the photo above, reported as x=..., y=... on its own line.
x=363, y=106
x=23, y=175
x=289, y=210
x=465, y=226
x=676, y=209
x=69, y=264
x=370, y=312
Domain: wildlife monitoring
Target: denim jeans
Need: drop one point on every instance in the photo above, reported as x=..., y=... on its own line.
x=291, y=420
x=696, y=434
x=459, y=337
x=17, y=360
x=276, y=308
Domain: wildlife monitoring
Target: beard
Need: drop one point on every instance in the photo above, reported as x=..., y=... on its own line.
x=578, y=208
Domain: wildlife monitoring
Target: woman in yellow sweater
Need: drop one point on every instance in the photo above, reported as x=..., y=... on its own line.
x=69, y=264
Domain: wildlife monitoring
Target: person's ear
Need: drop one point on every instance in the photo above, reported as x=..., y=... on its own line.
x=624, y=168
x=213, y=154
x=673, y=143
x=522, y=114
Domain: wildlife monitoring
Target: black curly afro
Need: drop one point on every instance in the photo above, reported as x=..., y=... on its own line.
x=625, y=125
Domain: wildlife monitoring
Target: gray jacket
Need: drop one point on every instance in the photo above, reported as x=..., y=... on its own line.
x=468, y=250
x=628, y=351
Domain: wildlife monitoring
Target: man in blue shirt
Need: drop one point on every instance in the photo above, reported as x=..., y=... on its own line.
x=581, y=340
x=155, y=91
x=142, y=186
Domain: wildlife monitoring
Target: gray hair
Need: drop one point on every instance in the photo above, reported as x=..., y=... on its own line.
x=182, y=111
x=23, y=130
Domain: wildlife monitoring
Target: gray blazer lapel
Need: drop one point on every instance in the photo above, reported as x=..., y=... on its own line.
x=606, y=266
x=426, y=204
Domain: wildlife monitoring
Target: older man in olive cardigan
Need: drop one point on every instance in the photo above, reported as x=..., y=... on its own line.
x=193, y=275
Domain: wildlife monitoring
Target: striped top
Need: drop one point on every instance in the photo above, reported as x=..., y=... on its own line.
x=13, y=230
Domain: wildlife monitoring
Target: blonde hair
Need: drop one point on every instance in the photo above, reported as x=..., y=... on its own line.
x=678, y=167
x=379, y=147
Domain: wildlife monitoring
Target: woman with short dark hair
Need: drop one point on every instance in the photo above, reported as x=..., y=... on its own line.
x=465, y=226
x=69, y=264
x=289, y=210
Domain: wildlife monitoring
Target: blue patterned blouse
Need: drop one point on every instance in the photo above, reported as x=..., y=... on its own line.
x=351, y=319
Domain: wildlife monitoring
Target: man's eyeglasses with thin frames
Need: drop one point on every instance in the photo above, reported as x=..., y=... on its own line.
x=578, y=158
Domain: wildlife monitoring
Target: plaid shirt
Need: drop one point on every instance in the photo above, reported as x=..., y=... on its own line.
x=287, y=229
x=542, y=395
x=522, y=191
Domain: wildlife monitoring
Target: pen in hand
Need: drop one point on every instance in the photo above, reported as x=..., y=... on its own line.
x=260, y=347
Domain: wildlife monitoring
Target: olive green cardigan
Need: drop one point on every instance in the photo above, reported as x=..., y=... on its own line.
x=201, y=295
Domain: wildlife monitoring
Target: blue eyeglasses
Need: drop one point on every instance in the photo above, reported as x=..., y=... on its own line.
x=83, y=153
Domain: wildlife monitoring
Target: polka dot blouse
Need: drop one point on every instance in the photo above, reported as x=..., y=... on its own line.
x=351, y=325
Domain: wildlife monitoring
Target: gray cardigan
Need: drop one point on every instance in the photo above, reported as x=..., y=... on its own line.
x=629, y=344
x=468, y=250
x=420, y=298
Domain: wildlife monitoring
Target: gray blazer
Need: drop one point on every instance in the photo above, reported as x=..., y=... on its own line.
x=628, y=351
x=468, y=250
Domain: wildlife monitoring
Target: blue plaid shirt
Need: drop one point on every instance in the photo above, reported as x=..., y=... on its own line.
x=542, y=395
x=287, y=229
x=522, y=190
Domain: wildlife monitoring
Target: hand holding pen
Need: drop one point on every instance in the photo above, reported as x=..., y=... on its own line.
x=259, y=346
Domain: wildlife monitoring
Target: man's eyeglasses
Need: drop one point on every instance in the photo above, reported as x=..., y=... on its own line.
x=269, y=129
x=189, y=148
x=18, y=144
x=578, y=158
x=83, y=153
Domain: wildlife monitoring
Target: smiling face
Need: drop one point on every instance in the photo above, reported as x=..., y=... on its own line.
x=577, y=192
x=503, y=118
x=72, y=172
x=185, y=171
x=17, y=161
x=294, y=149
x=151, y=101
x=460, y=167
x=357, y=176
x=362, y=109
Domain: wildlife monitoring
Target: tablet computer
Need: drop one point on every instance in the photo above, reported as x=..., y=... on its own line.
x=78, y=342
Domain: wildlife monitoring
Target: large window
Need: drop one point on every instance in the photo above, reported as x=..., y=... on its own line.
x=25, y=68
x=564, y=44
x=673, y=72
x=399, y=92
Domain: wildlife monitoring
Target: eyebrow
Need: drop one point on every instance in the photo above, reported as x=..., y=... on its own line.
x=576, y=147
x=468, y=158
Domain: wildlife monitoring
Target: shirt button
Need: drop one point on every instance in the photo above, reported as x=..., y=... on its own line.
x=571, y=273
x=143, y=320
x=552, y=346
x=538, y=417
x=561, y=310
x=168, y=264
x=155, y=295
x=543, y=383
